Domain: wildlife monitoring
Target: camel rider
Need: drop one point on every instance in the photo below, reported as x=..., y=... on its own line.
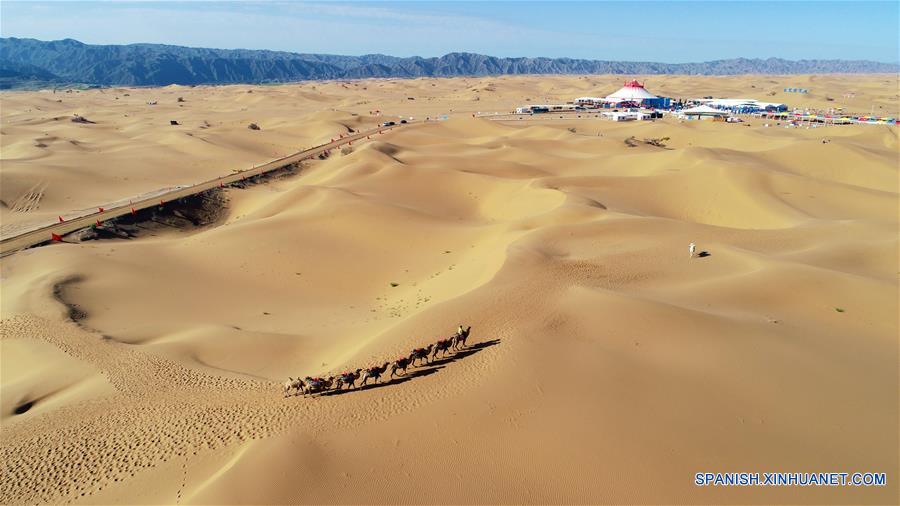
x=460, y=331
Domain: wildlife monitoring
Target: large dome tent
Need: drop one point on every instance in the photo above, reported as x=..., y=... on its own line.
x=633, y=91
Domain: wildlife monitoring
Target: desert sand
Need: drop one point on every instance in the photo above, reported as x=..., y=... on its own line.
x=604, y=366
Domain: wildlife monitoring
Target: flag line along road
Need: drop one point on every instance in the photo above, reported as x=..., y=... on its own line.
x=43, y=234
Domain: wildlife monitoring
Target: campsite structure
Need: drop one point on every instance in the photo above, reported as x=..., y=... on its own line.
x=633, y=94
x=741, y=105
x=703, y=112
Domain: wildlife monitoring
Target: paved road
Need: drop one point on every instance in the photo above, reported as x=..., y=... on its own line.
x=32, y=237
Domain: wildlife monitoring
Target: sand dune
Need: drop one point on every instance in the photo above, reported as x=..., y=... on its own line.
x=605, y=365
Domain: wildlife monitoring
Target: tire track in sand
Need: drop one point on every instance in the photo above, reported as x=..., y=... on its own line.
x=30, y=200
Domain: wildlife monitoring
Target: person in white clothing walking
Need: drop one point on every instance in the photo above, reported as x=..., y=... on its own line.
x=692, y=248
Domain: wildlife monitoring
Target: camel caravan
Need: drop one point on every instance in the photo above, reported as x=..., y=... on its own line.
x=424, y=356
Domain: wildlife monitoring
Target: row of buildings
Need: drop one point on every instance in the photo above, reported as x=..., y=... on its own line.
x=633, y=102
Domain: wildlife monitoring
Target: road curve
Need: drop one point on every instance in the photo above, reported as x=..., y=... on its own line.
x=43, y=234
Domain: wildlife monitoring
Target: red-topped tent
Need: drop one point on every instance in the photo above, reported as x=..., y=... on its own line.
x=633, y=91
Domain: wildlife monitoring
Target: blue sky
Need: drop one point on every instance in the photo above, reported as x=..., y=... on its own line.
x=638, y=31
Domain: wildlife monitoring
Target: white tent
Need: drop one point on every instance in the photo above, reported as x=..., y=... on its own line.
x=732, y=102
x=703, y=110
x=632, y=92
x=747, y=103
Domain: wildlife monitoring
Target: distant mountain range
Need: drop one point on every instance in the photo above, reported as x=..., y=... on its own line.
x=35, y=63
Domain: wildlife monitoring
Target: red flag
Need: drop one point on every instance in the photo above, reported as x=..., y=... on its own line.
x=54, y=237
x=61, y=219
x=221, y=185
x=98, y=223
x=101, y=209
x=162, y=202
x=133, y=211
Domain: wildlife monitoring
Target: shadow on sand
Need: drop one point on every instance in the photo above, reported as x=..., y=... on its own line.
x=421, y=371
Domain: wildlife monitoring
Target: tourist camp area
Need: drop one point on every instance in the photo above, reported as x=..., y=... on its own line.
x=634, y=102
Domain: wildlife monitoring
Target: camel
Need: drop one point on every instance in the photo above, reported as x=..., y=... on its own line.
x=442, y=346
x=296, y=385
x=374, y=373
x=318, y=385
x=348, y=378
x=400, y=365
x=460, y=337
x=420, y=353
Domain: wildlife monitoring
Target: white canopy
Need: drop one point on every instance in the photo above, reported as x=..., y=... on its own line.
x=741, y=102
x=732, y=102
x=704, y=110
